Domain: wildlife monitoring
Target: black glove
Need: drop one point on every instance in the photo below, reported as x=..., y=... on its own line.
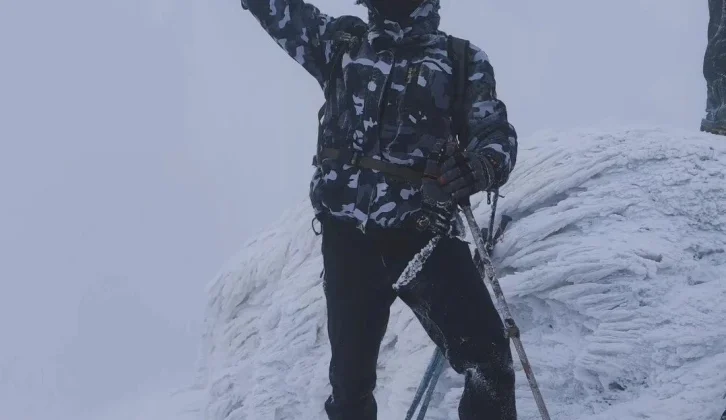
x=437, y=209
x=465, y=174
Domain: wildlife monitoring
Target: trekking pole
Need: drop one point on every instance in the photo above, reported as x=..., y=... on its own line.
x=437, y=370
x=490, y=277
x=427, y=386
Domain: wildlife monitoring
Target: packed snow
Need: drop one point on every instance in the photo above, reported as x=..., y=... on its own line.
x=614, y=267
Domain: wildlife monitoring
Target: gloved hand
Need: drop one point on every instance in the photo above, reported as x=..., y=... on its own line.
x=465, y=174
x=437, y=209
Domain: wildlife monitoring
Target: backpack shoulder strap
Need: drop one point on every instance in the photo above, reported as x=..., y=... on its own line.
x=347, y=35
x=348, y=32
x=458, y=50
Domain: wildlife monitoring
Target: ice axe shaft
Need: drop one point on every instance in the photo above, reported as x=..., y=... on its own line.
x=490, y=277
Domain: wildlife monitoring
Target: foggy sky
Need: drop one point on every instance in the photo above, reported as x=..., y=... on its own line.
x=141, y=142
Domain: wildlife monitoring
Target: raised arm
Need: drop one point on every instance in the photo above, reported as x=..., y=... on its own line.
x=491, y=135
x=299, y=28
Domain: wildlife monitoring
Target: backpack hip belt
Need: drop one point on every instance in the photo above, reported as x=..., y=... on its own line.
x=356, y=159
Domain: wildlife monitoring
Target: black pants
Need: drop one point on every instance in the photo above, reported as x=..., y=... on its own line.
x=714, y=67
x=449, y=299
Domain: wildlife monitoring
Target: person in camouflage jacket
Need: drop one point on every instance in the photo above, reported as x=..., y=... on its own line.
x=392, y=103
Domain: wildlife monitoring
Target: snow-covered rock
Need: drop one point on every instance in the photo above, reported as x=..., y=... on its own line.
x=614, y=267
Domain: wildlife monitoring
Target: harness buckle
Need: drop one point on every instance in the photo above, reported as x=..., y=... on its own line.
x=355, y=158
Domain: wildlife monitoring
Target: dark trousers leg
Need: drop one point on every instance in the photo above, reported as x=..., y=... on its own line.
x=358, y=299
x=455, y=308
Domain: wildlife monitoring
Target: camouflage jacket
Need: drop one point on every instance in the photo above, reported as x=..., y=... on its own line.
x=393, y=93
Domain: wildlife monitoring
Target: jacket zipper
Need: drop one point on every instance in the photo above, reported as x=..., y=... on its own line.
x=383, y=103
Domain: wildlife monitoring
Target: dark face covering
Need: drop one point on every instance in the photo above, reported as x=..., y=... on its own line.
x=396, y=10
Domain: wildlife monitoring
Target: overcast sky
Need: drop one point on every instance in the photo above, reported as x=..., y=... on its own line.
x=142, y=141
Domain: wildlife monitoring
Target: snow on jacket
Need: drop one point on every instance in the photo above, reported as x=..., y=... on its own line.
x=392, y=101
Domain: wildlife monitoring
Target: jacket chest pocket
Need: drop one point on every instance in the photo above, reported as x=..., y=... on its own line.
x=427, y=92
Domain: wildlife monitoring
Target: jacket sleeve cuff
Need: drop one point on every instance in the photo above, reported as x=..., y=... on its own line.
x=490, y=172
x=493, y=165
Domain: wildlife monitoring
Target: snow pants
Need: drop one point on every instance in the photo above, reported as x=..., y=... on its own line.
x=714, y=69
x=449, y=299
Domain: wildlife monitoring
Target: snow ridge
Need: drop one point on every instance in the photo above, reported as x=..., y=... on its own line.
x=614, y=267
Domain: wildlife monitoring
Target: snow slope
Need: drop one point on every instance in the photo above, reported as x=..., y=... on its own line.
x=614, y=266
